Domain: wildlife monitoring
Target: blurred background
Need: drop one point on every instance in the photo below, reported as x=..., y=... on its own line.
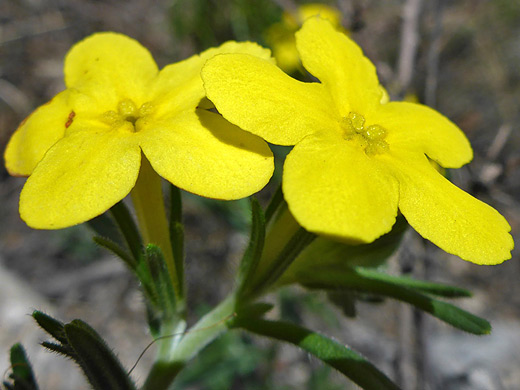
x=462, y=57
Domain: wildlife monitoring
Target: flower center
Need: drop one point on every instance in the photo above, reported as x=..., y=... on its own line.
x=128, y=114
x=371, y=138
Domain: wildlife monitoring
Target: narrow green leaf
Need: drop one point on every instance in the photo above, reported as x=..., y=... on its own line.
x=52, y=326
x=254, y=310
x=161, y=282
x=254, y=249
x=128, y=228
x=147, y=284
x=275, y=202
x=175, y=204
x=22, y=373
x=439, y=289
x=353, y=280
x=59, y=349
x=100, y=365
x=336, y=355
x=117, y=250
x=177, y=235
x=104, y=226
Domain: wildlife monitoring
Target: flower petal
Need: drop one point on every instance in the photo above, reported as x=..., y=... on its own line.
x=80, y=177
x=40, y=130
x=110, y=67
x=202, y=153
x=179, y=86
x=340, y=65
x=449, y=217
x=333, y=188
x=258, y=97
x=414, y=126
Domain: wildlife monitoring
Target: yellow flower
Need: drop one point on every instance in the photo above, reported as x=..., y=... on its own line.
x=358, y=159
x=83, y=149
x=280, y=36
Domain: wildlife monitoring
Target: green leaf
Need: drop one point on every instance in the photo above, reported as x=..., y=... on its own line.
x=161, y=283
x=254, y=250
x=336, y=355
x=117, y=250
x=104, y=226
x=439, y=289
x=253, y=310
x=362, y=281
x=59, y=349
x=177, y=235
x=273, y=206
x=128, y=228
x=100, y=365
x=52, y=326
x=78, y=341
x=22, y=374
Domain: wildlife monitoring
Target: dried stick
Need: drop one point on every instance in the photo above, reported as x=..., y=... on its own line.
x=409, y=43
x=432, y=66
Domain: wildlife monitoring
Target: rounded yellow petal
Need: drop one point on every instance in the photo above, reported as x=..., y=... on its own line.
x=179, y=87
x=447, y=216
x=418, y=127
x=80, y=177
x=110, y=67
x=36, y=134
x=333, y=188
x=340, y=65
x=42, y=129
x=257, y=96
x=202, y=153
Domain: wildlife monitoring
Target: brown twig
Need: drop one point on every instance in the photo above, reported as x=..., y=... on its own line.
x=409, y=43
x=432, y=66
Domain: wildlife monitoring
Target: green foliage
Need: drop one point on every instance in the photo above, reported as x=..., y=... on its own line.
x=104, y=226
x=177, y=235
x=254, y=250
x=232, y=358
x=336, y=355
x=163, y=295
x=371, y=282
x=78, y=341
x=128, y=228
x=323, y=253
x=22, y=376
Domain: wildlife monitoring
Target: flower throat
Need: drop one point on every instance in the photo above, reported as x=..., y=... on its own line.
x=127, y=111
x=371, y=138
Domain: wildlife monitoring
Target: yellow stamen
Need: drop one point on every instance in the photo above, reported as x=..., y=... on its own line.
x=127, y=112
x=371, y=138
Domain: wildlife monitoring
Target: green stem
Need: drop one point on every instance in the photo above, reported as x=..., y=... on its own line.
x=148, y=202
x=166, y=368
